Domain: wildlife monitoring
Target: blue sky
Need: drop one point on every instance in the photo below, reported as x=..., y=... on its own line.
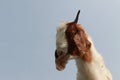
x=28, y=29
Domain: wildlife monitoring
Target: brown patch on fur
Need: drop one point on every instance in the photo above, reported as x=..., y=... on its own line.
x=78, y=44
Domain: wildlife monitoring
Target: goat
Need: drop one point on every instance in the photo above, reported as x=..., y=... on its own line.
x=72, y=42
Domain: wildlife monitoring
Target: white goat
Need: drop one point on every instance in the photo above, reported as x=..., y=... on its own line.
x=72, y=42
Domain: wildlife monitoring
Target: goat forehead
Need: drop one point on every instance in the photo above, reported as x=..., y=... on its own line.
x=60, y=36
x=61, y=41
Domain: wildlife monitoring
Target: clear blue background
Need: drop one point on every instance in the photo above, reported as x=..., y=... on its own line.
x=27, y=36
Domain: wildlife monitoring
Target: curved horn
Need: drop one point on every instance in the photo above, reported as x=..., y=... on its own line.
x=76, y=19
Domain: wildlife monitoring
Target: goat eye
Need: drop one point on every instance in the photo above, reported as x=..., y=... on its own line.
x=75, y=32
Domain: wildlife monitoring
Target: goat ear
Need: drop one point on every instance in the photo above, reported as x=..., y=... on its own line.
x=81, y=41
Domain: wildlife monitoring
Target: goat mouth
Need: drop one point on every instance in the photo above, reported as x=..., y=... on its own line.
x=60, y=68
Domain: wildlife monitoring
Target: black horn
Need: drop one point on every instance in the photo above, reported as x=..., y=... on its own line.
x=76, y=19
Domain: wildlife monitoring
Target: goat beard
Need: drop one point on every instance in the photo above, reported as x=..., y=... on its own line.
x=61, y=62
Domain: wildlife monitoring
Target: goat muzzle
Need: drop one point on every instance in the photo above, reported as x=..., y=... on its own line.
x=61, y=60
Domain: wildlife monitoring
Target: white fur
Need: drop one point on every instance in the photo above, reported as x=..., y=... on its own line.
x=96, y=70
x=61, y=42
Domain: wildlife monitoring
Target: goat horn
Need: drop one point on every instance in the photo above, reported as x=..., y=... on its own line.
x=76, y=19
